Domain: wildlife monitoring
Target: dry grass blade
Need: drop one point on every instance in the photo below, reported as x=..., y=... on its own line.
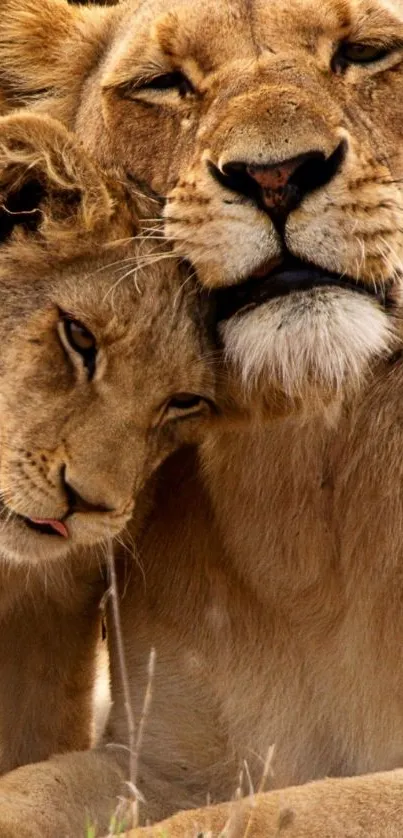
x=126, y=814
x=114, y=594
x=267, y=771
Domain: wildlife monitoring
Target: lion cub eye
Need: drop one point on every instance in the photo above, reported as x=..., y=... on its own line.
x=185, y=401
x=169, y=81
x=182, y=405
x=358, y=53
x=81, y=341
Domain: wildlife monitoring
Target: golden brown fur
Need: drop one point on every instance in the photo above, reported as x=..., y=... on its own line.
x=325, y=809
x=273, y=565
x=79, y=439
x=265, y=89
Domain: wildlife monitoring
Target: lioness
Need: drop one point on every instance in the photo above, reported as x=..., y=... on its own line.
x=271, y=135
x=103, y=373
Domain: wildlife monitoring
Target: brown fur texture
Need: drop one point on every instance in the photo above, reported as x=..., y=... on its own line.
x=80, y=434
x=272, y=562
x=268, y=87
x=358, y=806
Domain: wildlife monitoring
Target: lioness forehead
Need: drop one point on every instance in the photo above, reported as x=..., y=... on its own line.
x=211, y=33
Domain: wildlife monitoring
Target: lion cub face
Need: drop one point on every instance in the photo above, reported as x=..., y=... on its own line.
x=101, y=374
x=273, y=131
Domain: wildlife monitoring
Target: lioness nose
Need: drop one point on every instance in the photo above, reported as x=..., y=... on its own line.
x=281, y=189
x=277, y=187
x=281, y=186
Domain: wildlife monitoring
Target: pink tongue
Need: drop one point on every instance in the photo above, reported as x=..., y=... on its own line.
x=57, y=526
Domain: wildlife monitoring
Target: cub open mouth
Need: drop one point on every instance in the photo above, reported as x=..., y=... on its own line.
x=291, y=275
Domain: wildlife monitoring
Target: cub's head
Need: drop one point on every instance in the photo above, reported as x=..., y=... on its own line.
x=271, y=134
x=103, y=363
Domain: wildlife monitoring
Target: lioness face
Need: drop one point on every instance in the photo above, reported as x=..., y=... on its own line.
x=103, y=369
x=271, y=132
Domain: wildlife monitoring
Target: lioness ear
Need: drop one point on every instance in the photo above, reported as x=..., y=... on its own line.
x=48, y=185
x=47, y=48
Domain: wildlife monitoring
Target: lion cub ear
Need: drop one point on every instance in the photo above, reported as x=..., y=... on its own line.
x=47, y=47
x=48, y=185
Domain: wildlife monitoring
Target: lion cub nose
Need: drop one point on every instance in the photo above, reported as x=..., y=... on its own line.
x=76, y=501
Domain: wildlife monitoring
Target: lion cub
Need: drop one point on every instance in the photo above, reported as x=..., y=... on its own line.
x=101, y=377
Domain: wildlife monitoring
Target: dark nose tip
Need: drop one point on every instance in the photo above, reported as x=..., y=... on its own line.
x=280, y=189
x=75, y=501
x=281, y=186
x=274, y=180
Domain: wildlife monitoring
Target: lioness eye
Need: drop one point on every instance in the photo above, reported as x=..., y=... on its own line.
x=167, y=81
x=358, y=53
x=81, y=340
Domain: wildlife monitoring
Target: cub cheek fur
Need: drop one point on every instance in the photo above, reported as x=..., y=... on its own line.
x=323, y=341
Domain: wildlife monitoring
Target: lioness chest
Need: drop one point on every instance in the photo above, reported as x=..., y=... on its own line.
x=274, y=601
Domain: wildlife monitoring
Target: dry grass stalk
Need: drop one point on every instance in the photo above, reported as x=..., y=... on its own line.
x=126, y=813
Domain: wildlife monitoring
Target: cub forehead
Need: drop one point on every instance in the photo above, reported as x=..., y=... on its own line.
x=119, y=301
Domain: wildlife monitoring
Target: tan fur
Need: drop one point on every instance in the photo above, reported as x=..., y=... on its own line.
x=102, y=436
x=325, y=809
x=272, y=566
x=264, y=90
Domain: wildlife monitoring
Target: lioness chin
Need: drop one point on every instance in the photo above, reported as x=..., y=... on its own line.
x=270, y=135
